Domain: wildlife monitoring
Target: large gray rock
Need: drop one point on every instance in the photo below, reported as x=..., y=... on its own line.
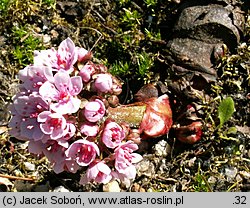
x=204, y=31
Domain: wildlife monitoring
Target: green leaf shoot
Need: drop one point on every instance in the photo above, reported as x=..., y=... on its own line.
x=225, y=110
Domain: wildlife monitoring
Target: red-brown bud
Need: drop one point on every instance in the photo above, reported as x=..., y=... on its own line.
x=157, y=119
x=190, y=133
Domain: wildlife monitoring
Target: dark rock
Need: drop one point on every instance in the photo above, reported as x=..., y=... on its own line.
x=192, y=56
x=211, y=24
x=202, y=34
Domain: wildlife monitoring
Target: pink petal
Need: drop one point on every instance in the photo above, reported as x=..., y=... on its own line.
x=28, y=127
x=76, y=85
x=46, y=58
x=104, y=168
x=72, y=106
x=37, y=135
x=89, y=129
x=48, y=91
x=23, y=74
x=36, y=147
x=71, y=166
x=136, y=157
x=46, y=129
x=130, y=172
x=57, y=133
x=58, y=167
x=43, y=116
x=62, y=80
x=92, y=172
x=103, y=82
x=82, y=52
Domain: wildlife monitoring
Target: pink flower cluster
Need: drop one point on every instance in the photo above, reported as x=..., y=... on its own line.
x=61, y=110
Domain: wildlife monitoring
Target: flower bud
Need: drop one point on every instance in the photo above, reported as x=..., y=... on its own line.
x=190, y=133
x=103, y=83
x=86, y=72
x=94, y=110
x=83, y=55
x=113, y=101
x=157, y=119
x=89, y=129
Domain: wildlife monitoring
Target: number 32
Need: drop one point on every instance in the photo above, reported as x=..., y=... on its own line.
x=240, y=200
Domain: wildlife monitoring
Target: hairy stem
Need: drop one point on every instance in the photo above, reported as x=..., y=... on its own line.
x=132, y=115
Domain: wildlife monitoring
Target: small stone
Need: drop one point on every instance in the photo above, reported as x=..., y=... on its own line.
x=60, y=189
x=45, y=27
x=24, y=145
x=162, y=148
x=145, y=167
x=112, y=186
x=231, y=173
x=54, y=33
x=191, y=162
x=29, y=166
x=211, y=179
x=46, y=39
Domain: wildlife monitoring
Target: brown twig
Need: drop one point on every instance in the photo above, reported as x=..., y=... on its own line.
x=16, y=177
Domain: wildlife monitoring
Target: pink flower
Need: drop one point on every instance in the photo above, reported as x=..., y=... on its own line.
x=94, y=110
x=64, y=58
x=29, y=106
x=66, y=164
x=25, y=110
x=98, y=172
x=83, y=151
x=86, y=72
x=14, y=125
x=56, y=155
x=129, y=173
x=127, y=176
x=83, y=54
x=63, y=92
x=124, y=157
x=34, y=76
x=71, y=130
x=52, y=124
x=103, y=83
x=89, y=129
x=112, y=135
x=37, y=147
x=30, y=129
